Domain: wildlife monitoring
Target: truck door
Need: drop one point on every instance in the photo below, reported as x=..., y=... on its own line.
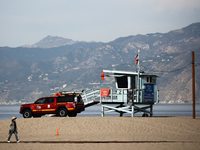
x=39, y=106
x=49, y=105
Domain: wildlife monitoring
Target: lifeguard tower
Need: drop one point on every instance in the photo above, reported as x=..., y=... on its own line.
x=135, y=92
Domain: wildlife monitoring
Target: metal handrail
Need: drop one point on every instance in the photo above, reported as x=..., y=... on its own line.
x=90, y=95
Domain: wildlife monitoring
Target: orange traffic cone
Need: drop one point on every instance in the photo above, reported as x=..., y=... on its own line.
x=57, y=132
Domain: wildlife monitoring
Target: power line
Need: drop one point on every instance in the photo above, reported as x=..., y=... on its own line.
x=196, y=64
x=168, y=71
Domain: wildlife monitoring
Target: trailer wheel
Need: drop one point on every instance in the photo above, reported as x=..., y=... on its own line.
x=27, y=113
x=36, y=116
x=72, y=114
x=62, y=112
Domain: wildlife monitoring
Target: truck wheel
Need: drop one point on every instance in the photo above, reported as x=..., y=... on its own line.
x=72, y=114
x=62, y=112
x=27, y=113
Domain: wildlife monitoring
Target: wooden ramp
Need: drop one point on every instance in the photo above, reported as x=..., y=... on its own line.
x=91, y=97
x=91, y=103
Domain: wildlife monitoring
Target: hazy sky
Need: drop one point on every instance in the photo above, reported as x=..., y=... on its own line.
x=28, y=21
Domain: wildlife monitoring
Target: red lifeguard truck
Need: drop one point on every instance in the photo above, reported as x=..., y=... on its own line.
x=62, y=104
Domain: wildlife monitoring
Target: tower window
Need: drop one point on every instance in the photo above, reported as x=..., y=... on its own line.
x=122, y=82
x=149, y=79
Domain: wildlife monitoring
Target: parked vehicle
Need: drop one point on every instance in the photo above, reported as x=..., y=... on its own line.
x=61, y=104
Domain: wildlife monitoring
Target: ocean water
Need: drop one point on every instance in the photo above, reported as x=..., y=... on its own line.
x=159, y=110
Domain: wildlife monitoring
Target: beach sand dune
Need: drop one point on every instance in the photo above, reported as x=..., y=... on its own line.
x=104, y=133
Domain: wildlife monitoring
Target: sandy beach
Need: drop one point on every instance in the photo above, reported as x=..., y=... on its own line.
x=104, y=133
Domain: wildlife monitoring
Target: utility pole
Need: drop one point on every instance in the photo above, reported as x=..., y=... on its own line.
x=138, y=93
x=193, y=84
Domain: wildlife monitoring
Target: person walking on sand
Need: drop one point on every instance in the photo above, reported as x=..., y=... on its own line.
x=13, y=129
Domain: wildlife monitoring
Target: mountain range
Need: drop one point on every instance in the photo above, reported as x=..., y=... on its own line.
x=56, y=63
